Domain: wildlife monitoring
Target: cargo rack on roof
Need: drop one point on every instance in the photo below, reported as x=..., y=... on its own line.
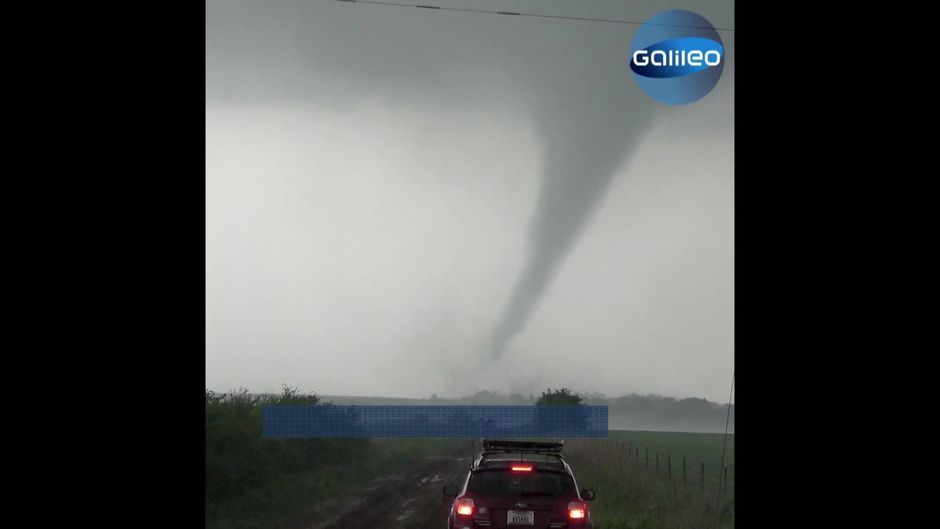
x=530, y=447
x=492, y=448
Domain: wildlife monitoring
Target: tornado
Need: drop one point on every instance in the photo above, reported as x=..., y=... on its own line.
x=583, y=147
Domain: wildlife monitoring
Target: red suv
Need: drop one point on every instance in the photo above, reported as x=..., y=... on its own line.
x=519, y=484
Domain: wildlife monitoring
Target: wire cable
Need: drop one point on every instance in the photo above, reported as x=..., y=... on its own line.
x=531, y=15
x=724, y=444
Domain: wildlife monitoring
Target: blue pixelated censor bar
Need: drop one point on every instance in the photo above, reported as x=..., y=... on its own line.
x=309, y=421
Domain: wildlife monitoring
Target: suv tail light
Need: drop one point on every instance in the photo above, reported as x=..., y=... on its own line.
x=464, y=506
x=576, y=510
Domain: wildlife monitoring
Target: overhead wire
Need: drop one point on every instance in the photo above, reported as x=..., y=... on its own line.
x=530, y=15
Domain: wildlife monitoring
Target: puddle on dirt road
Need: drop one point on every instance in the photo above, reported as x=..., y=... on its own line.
x=389, y=502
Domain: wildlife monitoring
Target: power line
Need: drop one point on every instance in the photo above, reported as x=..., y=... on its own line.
x=532, y=15
x=724, y=445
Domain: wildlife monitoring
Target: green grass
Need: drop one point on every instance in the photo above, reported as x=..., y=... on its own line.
x=288, y=498
x=697, y=448
x=258, y=483
x=631, y=495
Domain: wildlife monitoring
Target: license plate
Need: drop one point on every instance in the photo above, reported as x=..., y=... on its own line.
x=521, y=518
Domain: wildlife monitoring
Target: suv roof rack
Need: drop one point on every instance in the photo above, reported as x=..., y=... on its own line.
x=550, y=451
x=529, y=447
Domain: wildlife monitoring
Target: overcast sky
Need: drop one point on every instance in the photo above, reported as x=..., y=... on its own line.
x=402, y=202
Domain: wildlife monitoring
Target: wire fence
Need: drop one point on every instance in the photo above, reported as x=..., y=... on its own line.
x=680, y=483
x=681, y=467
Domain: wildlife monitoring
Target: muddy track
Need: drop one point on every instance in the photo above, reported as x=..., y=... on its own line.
x=409, y=501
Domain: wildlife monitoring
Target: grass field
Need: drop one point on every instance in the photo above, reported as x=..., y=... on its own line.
x=289, y=497
x=258, y=483
x=698, y=448
x=632, y=495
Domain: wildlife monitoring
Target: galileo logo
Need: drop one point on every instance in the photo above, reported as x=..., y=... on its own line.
x=677, y=57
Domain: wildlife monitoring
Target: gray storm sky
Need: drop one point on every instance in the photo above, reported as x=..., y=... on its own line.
x=390, y=191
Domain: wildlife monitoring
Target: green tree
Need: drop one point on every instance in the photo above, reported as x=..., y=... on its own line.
x=559, y=397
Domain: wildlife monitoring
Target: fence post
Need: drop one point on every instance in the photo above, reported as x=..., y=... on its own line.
x=647, y=457
x=657, y=461
x=684, y=478
x=669, y=460
x=725, y=477
x=703, y=474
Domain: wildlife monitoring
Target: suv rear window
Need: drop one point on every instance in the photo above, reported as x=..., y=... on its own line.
x=496, y=483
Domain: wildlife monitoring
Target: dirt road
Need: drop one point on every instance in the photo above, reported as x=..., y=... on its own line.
x=413, y=500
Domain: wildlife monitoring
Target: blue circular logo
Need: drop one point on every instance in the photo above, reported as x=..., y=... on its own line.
x=677, y=57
